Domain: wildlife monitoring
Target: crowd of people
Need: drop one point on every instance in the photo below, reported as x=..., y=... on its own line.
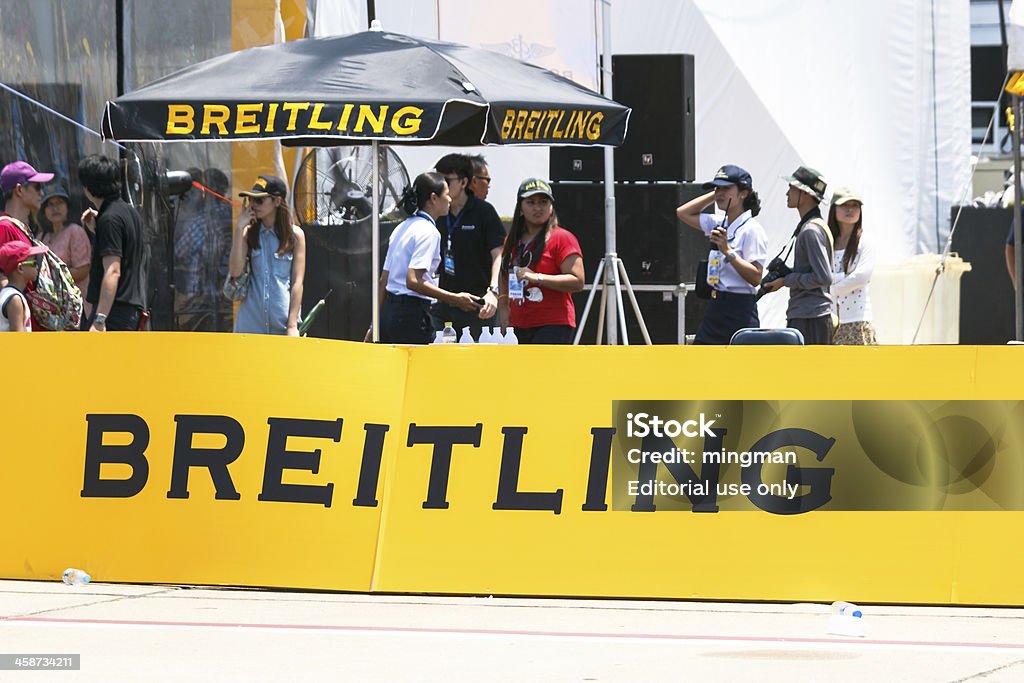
x=450, y=263
x=832, y=261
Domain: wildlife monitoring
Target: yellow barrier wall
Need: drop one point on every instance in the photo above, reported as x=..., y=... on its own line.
x=459, y=542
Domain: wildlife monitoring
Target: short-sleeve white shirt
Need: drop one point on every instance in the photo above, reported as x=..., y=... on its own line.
x=750, y=242
x=414, y=244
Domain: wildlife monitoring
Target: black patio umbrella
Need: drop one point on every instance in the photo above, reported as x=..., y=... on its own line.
x=370, y=87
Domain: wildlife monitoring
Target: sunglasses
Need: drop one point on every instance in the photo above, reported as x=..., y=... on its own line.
x=30, y=262
x=258, y=200
x=485, y=178
x=38, y=187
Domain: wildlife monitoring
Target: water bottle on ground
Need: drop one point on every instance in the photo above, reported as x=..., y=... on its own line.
x=75, y=577
x=438, y=337
x=448, y=334
x=847, y=620
x=510, y=337
x=847, y=609
x=466, y=337
x=487, y=336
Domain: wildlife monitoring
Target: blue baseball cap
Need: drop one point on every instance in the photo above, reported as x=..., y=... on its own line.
x=730, y=175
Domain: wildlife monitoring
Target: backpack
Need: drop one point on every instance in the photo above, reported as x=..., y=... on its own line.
x=55, y=301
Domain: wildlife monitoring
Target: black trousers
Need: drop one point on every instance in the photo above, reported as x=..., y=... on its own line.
x=405, y=319
x=122, y=318
x=815, y=330
x=546, y=334
x=726, y=314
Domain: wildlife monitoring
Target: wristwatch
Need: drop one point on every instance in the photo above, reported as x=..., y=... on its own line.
x=730, y=257
x=494, y=290
x=100, y=319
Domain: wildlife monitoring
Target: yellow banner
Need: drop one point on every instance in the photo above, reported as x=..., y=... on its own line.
x=245, y=460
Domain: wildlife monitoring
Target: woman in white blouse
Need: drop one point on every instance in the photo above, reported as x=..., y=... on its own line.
x=851, y=270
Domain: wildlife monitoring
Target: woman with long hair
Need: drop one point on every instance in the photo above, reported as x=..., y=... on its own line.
x=408, y=283
x=275, y=251
x=853, y=263
x=68, y=240
x=544, y=266
x=739, y=249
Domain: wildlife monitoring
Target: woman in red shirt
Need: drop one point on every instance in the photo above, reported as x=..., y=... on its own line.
x=544, y=266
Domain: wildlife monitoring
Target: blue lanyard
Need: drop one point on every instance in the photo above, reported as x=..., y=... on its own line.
x=455, y=223
x=423, y=214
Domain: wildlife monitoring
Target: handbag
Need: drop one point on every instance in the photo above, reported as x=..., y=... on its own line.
x=235, y=288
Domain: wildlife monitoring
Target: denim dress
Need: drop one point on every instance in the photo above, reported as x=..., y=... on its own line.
x=264, y=310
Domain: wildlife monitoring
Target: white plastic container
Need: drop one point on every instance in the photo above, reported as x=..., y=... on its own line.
x=900, y=292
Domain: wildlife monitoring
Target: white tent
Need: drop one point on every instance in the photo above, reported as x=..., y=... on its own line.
x=873, y=93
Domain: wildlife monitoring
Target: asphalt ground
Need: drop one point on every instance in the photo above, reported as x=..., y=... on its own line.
x=174, y=633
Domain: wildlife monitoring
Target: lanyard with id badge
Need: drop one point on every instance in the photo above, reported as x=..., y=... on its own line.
x=715, y=258
x=449, y=257
x=516, y=287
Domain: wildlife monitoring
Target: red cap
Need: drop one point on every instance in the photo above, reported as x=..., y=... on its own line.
x=13, y=253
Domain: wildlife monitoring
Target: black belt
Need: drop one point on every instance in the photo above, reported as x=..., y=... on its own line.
x=719, y=294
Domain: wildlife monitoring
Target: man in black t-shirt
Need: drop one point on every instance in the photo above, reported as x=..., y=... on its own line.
x=472, y=236
x=118, y=272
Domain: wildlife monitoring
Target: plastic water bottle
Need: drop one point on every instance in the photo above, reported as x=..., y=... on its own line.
x=75, y=577
x=510, y=337
x=448, y=334
x=438, y=337
x=487, y=336
x=846, y=609
x=847, y=620
x=466, y=337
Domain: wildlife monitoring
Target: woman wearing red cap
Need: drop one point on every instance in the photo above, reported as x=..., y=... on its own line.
x=544, y=266
x=276, y=253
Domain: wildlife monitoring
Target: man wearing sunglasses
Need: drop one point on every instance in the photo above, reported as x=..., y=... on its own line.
x=22, y=186
x=472, y=236
x=481, y=182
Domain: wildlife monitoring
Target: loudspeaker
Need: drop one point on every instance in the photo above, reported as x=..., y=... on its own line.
x=660, y=141
x=654, y=245
x=986, y=294
x=584, y=164
x=656, y=248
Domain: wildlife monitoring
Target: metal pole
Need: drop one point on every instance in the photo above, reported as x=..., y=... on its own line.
x=611, y=257
x=1018, y=291
x=375, y=240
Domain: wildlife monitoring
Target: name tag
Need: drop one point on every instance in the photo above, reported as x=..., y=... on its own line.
x=469, y=227
x=714, y=267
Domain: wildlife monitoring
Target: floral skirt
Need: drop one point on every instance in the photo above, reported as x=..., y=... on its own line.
x=859, y=333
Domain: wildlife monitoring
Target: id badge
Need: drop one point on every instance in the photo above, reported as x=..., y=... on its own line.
x=449, y=264
x=515, y=286
x=714, y=267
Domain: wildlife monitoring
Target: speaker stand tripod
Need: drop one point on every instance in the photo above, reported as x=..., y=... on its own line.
x=609, y=271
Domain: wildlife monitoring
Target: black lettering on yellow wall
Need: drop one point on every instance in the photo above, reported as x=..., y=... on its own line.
x=279, y=459
x=509, y=496
x=369, y=469
x=216, y=460
x=132, y=454
x=443, y=438
x=600, y=458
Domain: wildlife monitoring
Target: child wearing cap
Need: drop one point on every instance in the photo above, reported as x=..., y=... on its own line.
x=18, y=263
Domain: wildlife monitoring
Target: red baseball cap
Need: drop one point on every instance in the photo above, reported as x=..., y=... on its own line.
x=13, y=253
x=19, y=173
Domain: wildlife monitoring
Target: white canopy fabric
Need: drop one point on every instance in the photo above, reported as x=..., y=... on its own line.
x=875, y=94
